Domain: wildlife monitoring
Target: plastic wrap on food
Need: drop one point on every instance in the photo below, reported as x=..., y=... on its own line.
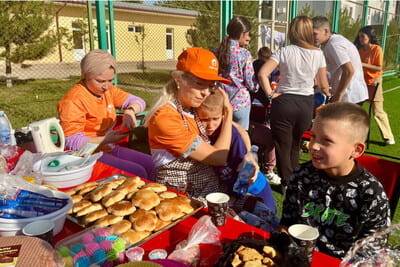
x=365, y=252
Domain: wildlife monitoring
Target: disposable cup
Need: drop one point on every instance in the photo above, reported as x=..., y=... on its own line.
x=306, y=237
x=135, y=254
x=217, y=207
x=42, y=229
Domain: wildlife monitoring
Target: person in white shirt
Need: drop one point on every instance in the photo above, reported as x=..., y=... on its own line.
x=343, y=64
x=293, y=100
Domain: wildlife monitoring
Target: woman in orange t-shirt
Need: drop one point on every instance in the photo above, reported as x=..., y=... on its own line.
x=88, y=114
x=372, y=62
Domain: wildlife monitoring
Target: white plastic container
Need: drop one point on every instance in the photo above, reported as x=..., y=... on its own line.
x=13, y=227
x=64, y=179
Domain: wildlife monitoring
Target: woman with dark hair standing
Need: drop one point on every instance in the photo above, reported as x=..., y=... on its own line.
x=293, y=101
x=372, y=62
x=236, y=65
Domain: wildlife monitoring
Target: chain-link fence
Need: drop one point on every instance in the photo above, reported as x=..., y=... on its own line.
x=149, y=38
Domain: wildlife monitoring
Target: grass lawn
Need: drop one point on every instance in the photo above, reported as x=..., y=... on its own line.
x=33, y=100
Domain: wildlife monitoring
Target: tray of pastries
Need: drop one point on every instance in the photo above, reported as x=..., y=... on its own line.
x=130, y=207
x=278, y=251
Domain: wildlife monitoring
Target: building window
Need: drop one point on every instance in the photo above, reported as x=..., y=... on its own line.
x=132, y=28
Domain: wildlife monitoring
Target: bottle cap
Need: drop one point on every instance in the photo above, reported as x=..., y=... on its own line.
x=254, y=148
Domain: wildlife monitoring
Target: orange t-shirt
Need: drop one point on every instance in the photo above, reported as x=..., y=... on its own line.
x=81, y=111
x=373, y=56
x=168, y=136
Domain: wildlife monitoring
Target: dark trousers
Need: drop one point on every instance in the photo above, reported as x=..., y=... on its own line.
x=291, y=116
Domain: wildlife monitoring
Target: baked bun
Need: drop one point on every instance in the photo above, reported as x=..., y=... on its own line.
x=156, y=187
x=130, y=184
x=80, y=205
x=121, y=227
x=95, y=215
x=76, y=198
x=167, y=194
x=108, y=220
x=145, y=199
x=161, y=224
x=143, y=220
x=168, y=210
x=131, y=194
x=112, y=198
x=184, y=204
x=133, y=236
x=80, y=187
x=86, y=190
x=71, y=192
x=112, y=183
x=100, y=192
x=121, y=208
x=89, y=209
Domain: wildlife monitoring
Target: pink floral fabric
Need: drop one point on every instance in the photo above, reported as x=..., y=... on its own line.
x=241, y=73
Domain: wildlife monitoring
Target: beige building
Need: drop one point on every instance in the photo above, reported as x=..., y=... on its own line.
x=145, y=35
x=156, y=33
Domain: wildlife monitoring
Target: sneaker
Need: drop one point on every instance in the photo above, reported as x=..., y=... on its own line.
x=390, y=142
x=273, y=178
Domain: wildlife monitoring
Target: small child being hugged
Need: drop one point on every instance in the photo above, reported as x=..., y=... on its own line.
x=211, y=115
x=333, y=192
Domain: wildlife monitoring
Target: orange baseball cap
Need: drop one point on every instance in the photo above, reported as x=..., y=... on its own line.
x=201, y=63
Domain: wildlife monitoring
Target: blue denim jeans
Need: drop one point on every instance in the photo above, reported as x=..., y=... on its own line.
x=242, y=117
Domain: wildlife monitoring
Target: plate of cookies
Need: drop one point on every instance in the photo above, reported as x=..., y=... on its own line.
x=277, y=251
x=130, y=207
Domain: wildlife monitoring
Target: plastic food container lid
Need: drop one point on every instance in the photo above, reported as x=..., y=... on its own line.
x=158, y=254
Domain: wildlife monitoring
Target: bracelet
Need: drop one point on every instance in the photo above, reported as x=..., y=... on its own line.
x=271, y=95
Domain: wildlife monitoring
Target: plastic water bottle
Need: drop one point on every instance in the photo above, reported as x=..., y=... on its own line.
x=246, y=171
x=6, y=132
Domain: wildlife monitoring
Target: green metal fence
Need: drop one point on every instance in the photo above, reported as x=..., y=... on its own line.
x=146, y=38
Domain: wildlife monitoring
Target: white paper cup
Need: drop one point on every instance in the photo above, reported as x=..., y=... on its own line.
x=217, y=207
x=42, y=229
x=306, y=237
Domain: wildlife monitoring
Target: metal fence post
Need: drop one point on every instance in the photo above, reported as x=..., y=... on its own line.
x=385, y=27
x=101, y=24
x=397, y=57
x=226, y=15
x=293, y=10
x=90, y=24
x=336, y=14
x=112, y=37
x=365, y=13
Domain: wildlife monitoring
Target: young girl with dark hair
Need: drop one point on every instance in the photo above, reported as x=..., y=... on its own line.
x=372, y=62
x=236, y=65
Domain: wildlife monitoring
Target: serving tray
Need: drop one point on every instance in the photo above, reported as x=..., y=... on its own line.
x=196, y=204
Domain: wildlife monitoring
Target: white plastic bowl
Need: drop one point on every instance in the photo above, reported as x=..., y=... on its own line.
x=13, y=227
x=70, y=178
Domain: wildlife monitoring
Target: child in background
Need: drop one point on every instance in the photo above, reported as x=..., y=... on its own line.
x=211, y=115
x=261, y=130
x=263, y=55
x=333, y=192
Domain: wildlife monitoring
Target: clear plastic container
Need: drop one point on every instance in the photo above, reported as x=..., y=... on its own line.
x=93, y=246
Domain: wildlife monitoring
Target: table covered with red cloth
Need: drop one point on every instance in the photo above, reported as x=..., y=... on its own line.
x=169, y=238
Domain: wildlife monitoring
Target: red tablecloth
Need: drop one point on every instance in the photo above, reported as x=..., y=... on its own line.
x=169, y=238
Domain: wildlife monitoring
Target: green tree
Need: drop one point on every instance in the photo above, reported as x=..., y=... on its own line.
x=25, y=33
x=205, y=31
x=306, y=11
x=348, y=26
